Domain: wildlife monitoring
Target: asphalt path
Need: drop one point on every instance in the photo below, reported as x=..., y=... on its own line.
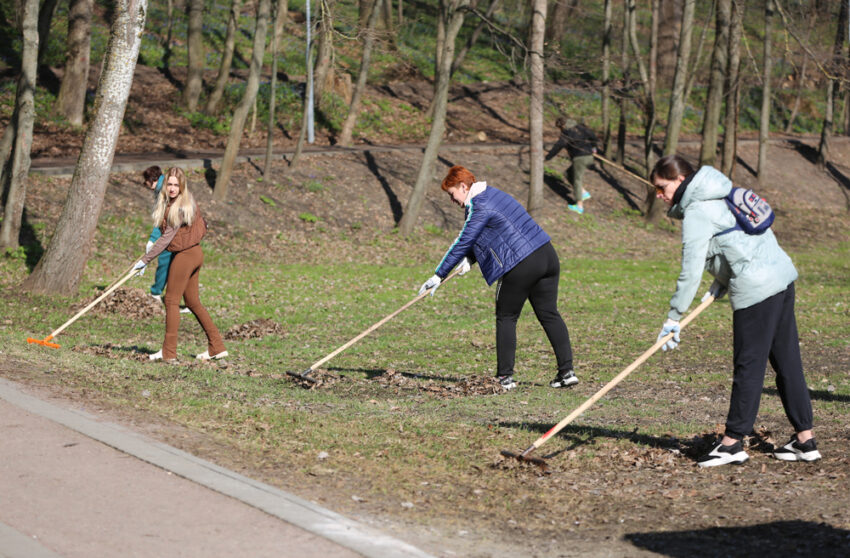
x=74, y=485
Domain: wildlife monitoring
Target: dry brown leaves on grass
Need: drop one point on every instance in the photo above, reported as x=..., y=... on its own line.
x=255, y=329
x=394, y=379
x=128, y=302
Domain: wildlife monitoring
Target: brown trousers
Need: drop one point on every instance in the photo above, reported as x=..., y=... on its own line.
x=182, y=283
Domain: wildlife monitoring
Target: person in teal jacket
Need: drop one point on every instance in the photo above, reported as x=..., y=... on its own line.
x=153, y=180
x=759, y=277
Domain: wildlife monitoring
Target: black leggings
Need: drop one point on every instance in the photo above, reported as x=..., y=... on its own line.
x=764, y=332
x=534, y=279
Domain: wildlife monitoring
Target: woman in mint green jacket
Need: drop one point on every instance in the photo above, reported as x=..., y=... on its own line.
x=759, y=277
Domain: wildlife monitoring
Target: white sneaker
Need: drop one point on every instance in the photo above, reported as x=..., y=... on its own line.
x=157, y=298
x=156, y=356
x=206, y=355
x=795, y=451
x=185, y=310
x=724, y=455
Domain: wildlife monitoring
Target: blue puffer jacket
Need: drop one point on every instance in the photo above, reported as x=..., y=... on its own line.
x=752, y=267
x=498, y=233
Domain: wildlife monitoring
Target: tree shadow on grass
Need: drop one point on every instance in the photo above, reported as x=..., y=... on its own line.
x=29, y=244
x=777, y=538
x=372, y=373
x=818, y=394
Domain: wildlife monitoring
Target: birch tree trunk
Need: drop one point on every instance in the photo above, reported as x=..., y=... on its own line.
x=535, y=116
x=61, y=267
x=836, y=69
x=764, y=118
x=214, y=98
x=714, y=101
x=71, y=102
x=362, y=75
x=677, y=101
x=13, y=211
x=452, y=16
x=733, y=88
x=606, y=81
x=240, y=115
x=195, y=48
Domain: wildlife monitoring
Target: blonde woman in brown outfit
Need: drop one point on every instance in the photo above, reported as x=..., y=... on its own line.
x=177, y=215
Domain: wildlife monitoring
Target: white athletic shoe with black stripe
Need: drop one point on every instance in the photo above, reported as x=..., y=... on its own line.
x=507, y=382
x=565, y=379
x=724, y=455
x=795, y=451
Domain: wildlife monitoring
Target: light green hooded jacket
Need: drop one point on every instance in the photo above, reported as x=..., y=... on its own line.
x=752, y=267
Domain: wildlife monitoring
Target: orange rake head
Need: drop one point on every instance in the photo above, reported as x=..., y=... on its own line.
x=46, y=342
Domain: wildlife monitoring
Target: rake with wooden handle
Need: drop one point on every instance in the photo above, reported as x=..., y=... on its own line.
x=624, y=169
x=306, y=374
x=524, y=456
x=46, y=341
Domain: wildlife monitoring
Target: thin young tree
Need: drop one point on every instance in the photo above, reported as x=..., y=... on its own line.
x=836, y=67
x=714, y=101
x=452, y=15
x=272, y=89
x=764, y=116
x=61, y=267
x=215, y=95
x=240, y=115
x=362, y=75
x=196, y=58
x=801, y=78
x=45, y=18
x=71, y=101
x=677, y=98
x=607, y=30
x=473, y=37
x=22, y=122
x=535, y=113
x=625, y=89
x=733, y=88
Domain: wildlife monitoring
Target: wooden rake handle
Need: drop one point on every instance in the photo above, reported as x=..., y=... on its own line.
x=94, y=303
x=618, y=378
x=624, y=169
x=318, y=363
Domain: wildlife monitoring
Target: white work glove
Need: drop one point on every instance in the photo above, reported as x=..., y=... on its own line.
x=140, y=266
x=148, y=246
x=670, y=326
x=716, y=290
x=464, y=266
x=432, y=284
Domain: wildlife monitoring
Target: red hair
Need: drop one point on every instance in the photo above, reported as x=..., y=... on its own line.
x=455, y=176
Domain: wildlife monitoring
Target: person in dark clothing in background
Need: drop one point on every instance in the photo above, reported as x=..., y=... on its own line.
x=580, y=143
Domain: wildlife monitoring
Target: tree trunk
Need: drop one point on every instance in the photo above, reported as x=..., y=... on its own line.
x=669, y=30
x=439, y=51
x=694, y=68
x=733, y=88
x=655, y=209
x=622, y=101
x=677, y=101
x=325, y=54
x=535, y=116
x=714, y=101
x=837, y=68
x=606, y=81
x=452, y=16
x=240, y=115
x=195, y=49
x=61, y=268
x=71, y=102
x=362, y=75
x=45, y=18
x=307, y=113
x=556, y=23
x=226, y=58
x=473, y=38
x=272, y=89
x=13, y=210
x=801, y=79
x=764, y=118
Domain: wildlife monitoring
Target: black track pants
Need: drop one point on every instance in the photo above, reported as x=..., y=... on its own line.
x=762, y=332
x=534, y=279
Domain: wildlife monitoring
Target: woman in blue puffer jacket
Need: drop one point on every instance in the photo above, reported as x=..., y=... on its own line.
x=511, y=248
x=759, y=277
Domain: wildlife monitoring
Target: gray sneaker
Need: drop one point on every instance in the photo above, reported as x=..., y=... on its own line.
x=564, y=379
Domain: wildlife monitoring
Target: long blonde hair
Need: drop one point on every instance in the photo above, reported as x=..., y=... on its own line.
x=182, y=210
